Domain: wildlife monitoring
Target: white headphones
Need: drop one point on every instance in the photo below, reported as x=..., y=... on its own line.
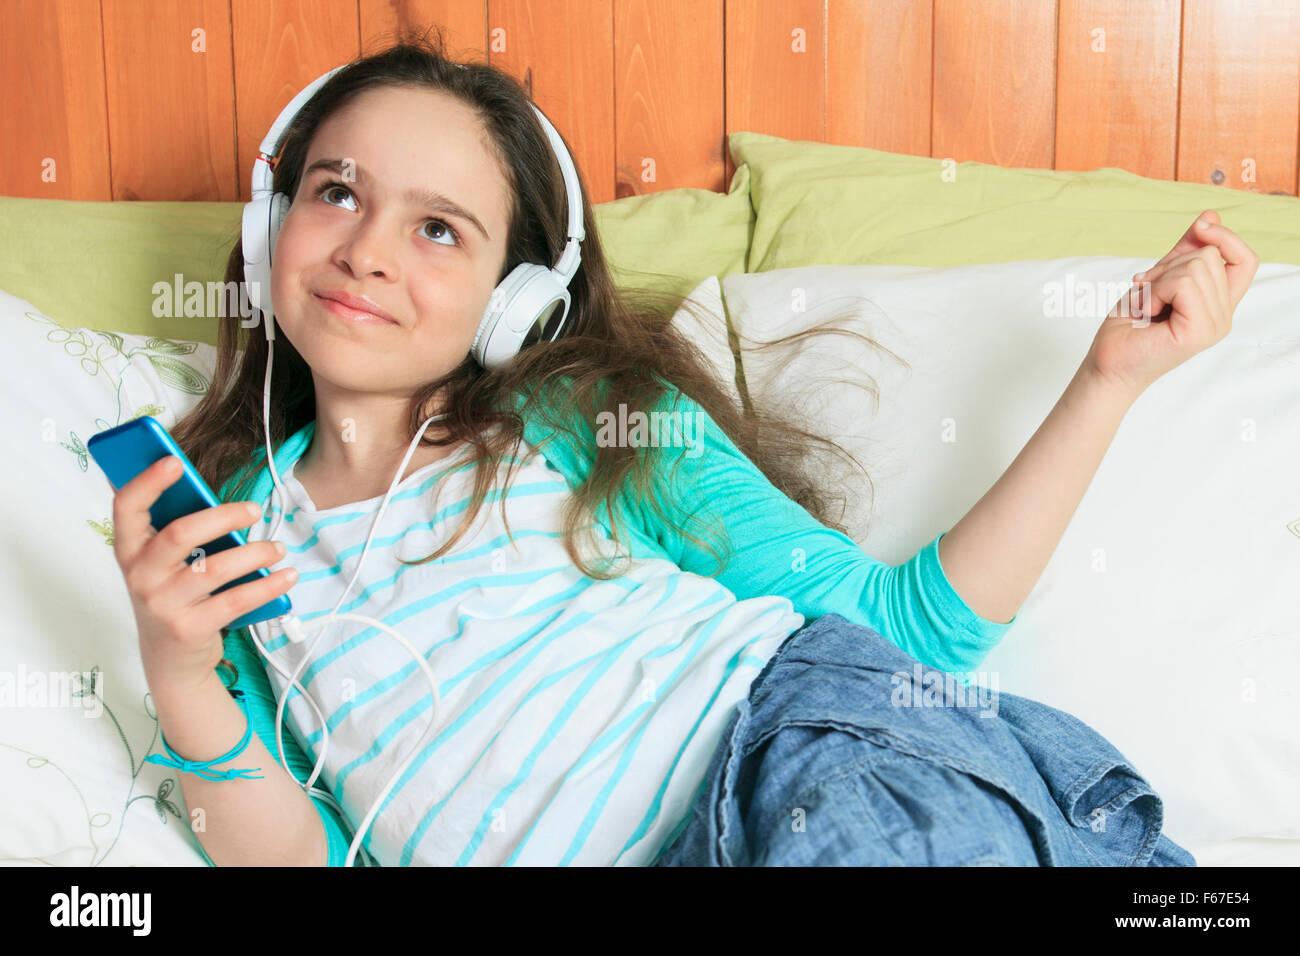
x=523, y=301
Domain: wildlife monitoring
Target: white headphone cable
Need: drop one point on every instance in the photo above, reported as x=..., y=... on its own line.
x=296, y=633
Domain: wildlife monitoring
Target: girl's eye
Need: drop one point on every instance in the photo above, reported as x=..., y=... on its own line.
x=447, y=228
x=332, y=184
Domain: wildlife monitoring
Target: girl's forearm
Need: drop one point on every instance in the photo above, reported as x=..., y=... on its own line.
x=245, y=822
x=997, y=552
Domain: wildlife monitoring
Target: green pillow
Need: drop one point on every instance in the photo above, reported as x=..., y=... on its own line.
x=839, y=205
x=94, y=264
x=675, y=239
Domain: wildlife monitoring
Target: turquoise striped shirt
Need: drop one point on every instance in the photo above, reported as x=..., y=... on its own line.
x=576, y=717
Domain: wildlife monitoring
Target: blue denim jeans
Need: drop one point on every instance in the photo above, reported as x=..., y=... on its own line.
x=835, y=760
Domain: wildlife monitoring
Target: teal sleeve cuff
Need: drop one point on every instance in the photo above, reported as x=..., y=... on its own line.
x=968, y=636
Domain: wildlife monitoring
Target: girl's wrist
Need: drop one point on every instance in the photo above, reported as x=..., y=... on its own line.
x=170, y=689
x=1112, y=392
x=174, y=672
x=200, y=721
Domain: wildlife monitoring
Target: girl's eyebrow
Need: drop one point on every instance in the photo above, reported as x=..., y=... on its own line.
x=428, y=198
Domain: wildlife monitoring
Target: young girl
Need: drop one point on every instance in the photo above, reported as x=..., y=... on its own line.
x=667, y=655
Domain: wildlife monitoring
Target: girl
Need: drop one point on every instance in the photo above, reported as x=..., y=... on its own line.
x=668, y=655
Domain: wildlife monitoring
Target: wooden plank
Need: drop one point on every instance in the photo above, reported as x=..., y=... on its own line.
x=1117, y=86
x=646, y=91
x=278, y=49
x=776, y=69
x=995, y=81
x=1240, y=107
x=169, y=69
x=464, y=24
x=878, y=73
x=563, y=55
x=56, y=142
x=668, y=97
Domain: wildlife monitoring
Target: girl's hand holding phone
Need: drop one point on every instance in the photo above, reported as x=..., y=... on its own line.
x=178, y=616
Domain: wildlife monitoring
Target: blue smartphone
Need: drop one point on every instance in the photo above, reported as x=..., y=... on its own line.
x=125, y=451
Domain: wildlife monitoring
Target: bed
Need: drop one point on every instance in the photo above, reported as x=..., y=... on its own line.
x=1167, y=618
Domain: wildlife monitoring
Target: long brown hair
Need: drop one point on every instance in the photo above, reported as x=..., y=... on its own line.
x=617, y=345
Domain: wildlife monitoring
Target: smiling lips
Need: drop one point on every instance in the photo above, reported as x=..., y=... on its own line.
x=354, y=309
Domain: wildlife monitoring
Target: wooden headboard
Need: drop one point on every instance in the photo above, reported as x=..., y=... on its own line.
x=168, y=99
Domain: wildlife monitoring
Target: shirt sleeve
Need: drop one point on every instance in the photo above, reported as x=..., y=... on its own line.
x=778, y=548
x=256, y=687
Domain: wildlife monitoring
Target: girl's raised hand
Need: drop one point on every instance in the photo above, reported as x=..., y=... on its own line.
x=1201, y=279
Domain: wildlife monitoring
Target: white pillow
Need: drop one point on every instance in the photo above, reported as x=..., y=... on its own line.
x=709, y=332
x=1167, y=617
x=77, y=792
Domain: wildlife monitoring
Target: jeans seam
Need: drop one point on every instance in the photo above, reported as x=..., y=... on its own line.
x=727, y=782
x=895, y=742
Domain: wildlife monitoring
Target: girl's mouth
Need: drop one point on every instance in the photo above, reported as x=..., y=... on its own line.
x=350, y=315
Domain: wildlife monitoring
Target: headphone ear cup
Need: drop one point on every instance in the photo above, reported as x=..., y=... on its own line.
x=499, y=304
x=255, y=252
x=279, y=210
x=542, y=305
x=522, y=308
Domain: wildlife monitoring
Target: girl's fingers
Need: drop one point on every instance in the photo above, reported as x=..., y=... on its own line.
x=1157, y=293
x=1189, y=298
x=1145, y=281
x=1163, y=266
x=1190, y=241
x=131, y=519
x=193, y=584
x=1240, y=261
x=1169, y=262
x=232, y=603
x=1211, y=299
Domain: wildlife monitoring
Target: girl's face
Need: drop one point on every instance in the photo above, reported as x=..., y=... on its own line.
x=362, y=229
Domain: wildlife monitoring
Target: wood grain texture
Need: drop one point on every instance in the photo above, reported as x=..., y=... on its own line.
x=879, y=72
x=463, y=23
x=278, y=49
x=174, y=59
x=56, y=142
x=1117, y=86
x=994, y=82
x=776, y=69
x=563, y=54
x=169, y=99
x=669, y=97
x=1240, y=107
